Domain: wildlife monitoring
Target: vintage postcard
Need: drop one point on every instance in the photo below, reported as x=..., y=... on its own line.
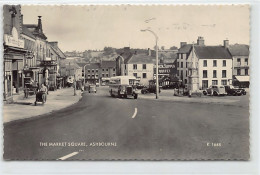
x=126, y=82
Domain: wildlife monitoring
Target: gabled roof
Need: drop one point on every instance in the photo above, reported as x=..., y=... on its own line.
x=239, y=50
x=108, y=64
x=57, y=49
x=26, y=32
x=185, y=49
x=139, y=59
x=212, y=52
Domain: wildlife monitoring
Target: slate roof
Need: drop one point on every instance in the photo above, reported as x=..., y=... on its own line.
x=82, y=64
x=212, y=52
x=139, y=59
x=57, y=49
x=185, y=49
x=93, y=66
x=26, y=32
x=108, y=64
x=239, y=50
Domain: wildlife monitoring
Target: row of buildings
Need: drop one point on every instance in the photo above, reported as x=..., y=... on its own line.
x=29, y=58
x=217, y=65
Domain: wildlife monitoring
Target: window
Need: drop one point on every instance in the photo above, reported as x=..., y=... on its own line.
x=103, y=69
x=185, y=81
x=186, y=64
x=214, y=63
x=106, y=69
x=224, y=63
x=114, y=75
x=107, y=75
x=134, y=66
x=214, y=74
x=144, y=66
x=144, y=75
x=96, y=70
x=93, y=70
x=178, y=73
x=246, y=61
x=89, y=70
x=181, y=64
x=103, y=75
x=205, y=74
x=135, y=75
x=125, y=66
x=239, y=61
x=125, y=73
x=204, y=84
x=186, y=73
x=214, y=82
x=224, y=73
x=238, y=72
x=96, y=75
x=178, y=64
x=223, y=82
x=181, y=55
x=205, y=64
x=114, y=69
x=246, y=71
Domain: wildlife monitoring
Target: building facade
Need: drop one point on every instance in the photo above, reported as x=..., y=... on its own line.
x=107, y=70
x=14, y=52
x=240, y=55
x=92, y=73
x=214, y=65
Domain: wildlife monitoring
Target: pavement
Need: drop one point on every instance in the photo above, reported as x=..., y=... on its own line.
x=24, y=108
x=100, y=127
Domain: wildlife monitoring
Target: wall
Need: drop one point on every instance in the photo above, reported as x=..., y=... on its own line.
x=184, y=69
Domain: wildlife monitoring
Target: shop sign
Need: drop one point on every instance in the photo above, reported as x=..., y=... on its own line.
x=13, y=40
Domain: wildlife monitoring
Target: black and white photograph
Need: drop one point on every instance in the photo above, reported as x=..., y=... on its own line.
x=126, y=82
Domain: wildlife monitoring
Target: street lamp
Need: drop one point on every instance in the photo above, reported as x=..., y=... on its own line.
x=156, y=42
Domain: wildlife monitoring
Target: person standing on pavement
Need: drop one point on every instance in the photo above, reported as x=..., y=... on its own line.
x=43, y=89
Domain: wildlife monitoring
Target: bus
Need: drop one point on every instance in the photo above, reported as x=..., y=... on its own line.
x=123, y=87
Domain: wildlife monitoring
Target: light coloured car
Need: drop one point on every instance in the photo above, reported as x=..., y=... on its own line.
x=215, y=90
x=92, y=88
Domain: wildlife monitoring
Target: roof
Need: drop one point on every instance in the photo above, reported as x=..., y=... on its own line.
x=139, y=58
x=26, y=32
x=57, y=49
x=185, y=49
x=212, y=52
x=82, y=64
x=108, y=64
x=93, y=66
x=243, y=78
x=239, y=50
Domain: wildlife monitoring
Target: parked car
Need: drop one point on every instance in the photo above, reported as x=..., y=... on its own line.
x=92, y=88
x=215, y=90
x=231, y=90
x=140, y=86
x=243, y=91
x=150, y=89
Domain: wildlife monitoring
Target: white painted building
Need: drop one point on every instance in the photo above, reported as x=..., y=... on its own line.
x=214, y=65
x=140, y=66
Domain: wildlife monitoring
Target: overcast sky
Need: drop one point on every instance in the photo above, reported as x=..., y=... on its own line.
x=93, y=27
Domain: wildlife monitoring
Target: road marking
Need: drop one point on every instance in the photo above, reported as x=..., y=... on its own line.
x=134, y=113
x=68, y=156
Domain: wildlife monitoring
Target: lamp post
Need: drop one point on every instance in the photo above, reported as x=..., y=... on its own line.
x=156, y=45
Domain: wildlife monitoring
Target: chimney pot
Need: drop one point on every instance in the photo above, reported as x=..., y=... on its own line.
x=200, y=41
x=226, y=43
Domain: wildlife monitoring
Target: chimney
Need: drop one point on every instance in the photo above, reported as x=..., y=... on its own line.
x=182, y=44
x=149, y=52
x=226, y=43
x=40, y=24
x=200, y=41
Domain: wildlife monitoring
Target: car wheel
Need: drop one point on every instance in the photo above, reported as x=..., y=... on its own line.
x=136, y=95
x=215, y=93
x=205, y=93
x=244, y=93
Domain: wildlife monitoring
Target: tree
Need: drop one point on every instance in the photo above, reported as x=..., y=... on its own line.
x=108, y=50
x=173, y=48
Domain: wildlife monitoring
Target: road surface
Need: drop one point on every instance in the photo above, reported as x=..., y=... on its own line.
x=100, y=127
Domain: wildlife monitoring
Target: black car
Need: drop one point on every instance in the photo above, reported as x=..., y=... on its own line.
x=231, y=90
x=150, y=89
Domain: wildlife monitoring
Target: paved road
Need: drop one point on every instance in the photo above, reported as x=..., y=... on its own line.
x=134, y=129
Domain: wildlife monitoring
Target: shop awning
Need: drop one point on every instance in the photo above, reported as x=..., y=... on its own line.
x=242, y=78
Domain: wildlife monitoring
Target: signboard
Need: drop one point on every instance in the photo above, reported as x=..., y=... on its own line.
x=13, y=40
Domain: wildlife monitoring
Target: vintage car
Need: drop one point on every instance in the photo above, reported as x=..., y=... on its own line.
x=215, y=90
x=150, y=89
x=123, y=86
x=92, y=88
x=231, y=90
